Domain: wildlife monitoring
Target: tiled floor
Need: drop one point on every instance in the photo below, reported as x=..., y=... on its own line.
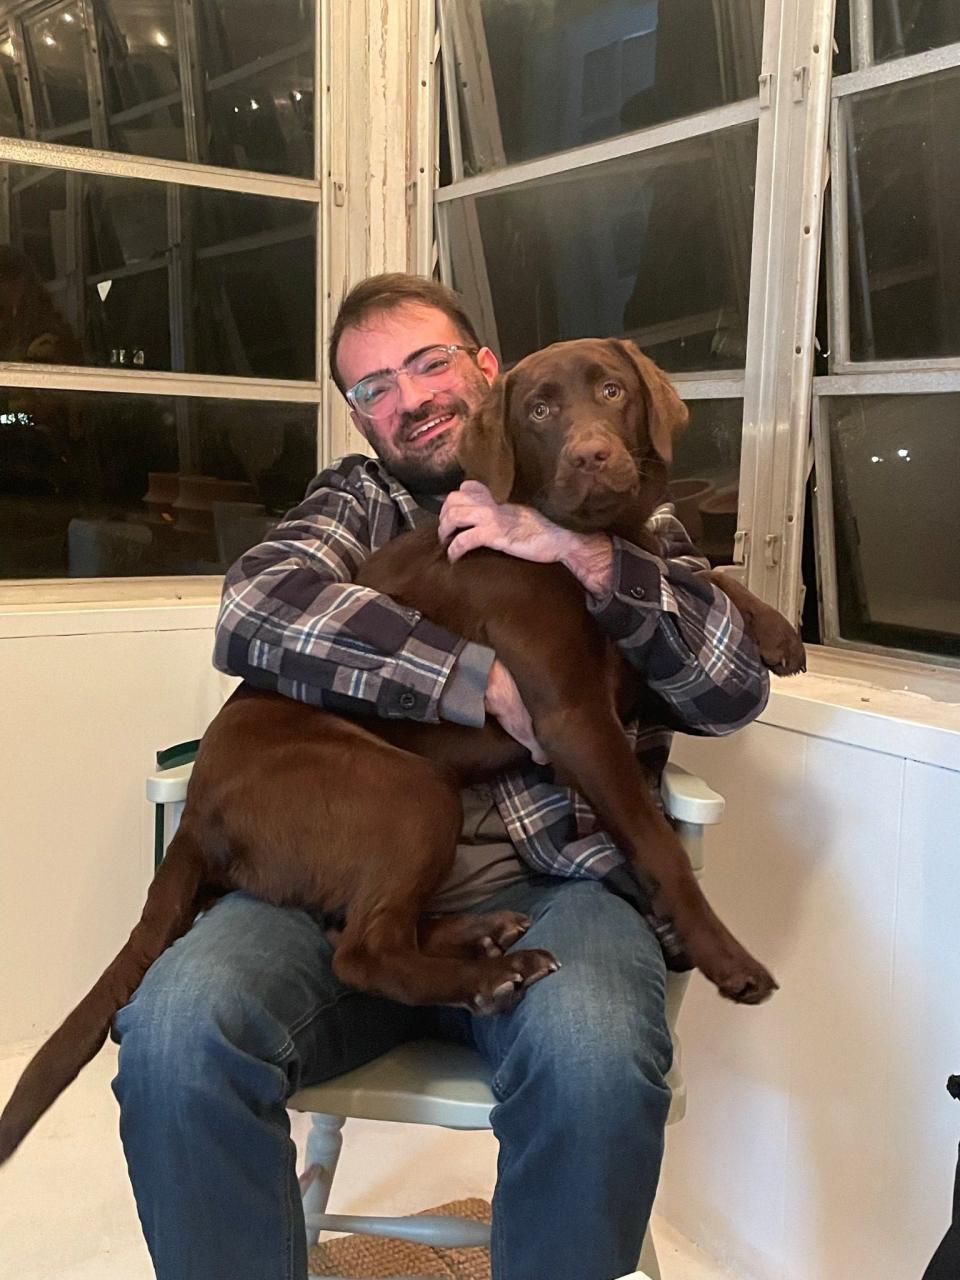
x=66, y=1212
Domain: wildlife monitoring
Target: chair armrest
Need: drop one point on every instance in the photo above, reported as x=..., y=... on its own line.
x=688, y=798
x=169, y=786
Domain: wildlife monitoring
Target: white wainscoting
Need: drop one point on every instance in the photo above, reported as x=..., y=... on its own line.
x=819, y=1142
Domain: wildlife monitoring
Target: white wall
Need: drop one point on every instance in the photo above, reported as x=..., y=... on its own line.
x=819, y=1141
x=88, y=697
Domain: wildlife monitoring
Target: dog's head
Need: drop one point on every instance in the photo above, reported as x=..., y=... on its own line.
x=580, y=430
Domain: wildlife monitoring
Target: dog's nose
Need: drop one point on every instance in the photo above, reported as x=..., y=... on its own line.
x=588, y=453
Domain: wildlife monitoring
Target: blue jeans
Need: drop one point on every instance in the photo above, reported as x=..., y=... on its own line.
x=244, y=1010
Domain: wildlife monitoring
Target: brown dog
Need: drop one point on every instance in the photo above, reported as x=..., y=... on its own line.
x=283, y=795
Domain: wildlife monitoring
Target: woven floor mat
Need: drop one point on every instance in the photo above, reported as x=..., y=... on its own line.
x=370, y=1256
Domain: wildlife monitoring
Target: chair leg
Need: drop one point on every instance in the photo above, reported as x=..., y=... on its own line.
x=648, y=1258
x=323, y=1152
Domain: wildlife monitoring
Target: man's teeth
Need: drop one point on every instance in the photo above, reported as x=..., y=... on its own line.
x=444, y=417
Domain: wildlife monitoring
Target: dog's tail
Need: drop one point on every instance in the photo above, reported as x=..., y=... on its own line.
x=171, y=906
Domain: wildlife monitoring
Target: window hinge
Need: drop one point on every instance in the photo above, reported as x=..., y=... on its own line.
x=799, y=83
x=765, y=89
x=771, y=550
x=339, y=194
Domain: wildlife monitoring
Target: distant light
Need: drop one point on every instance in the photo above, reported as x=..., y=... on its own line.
x=903, y=453
x=48, y=39
x=160, y=39
x=875, y=458
x=67, y=17
x=236, y=111
x=254, y=105
x=297, y=95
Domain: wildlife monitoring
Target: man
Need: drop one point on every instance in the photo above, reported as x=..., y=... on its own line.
x=245, y=1008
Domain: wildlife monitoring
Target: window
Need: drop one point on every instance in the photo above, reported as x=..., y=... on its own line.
x=658, y=171
x=886, y=404
x=159, y=378
x=600, y=180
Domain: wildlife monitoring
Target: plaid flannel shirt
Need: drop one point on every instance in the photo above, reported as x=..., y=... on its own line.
x=293, y=620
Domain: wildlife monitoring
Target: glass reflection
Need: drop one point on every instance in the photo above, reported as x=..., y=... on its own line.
x=219, y=83
x=895, y=462
x=904, y=220
x=569, y=72
x=56, y=42
x=99, y=486
x=655, y=247
x=163, y=277
x=903, y=27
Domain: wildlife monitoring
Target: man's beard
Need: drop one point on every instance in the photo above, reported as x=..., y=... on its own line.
x=427, y=473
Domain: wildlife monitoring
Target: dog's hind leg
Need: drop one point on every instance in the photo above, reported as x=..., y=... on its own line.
x=379, y=949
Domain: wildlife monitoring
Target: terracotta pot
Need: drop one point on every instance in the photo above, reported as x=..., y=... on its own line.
x=686, y=495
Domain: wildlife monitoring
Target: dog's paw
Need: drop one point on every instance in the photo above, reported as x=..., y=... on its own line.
x=748, y=984
x=506, y=978
x=780, y=646
x=472, y=934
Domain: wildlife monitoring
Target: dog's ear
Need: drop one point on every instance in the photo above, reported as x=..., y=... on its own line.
x=666, y=412
x=485, y=449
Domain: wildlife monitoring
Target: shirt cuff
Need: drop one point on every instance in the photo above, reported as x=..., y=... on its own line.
x=636, y=596
x=462, y=699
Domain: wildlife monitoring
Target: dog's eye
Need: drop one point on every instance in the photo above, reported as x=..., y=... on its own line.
x=540, y=411
x=612, y=391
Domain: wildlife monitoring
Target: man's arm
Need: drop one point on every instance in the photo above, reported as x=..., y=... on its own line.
x=292, y=620
x=670, y=622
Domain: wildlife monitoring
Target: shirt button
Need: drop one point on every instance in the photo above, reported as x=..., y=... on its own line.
x=408, y=701
x=638, y=593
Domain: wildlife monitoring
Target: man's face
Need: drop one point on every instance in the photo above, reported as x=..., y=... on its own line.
x=417, y=442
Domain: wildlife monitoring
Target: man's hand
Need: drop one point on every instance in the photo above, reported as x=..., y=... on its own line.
x=502, y=701
x=470, y=518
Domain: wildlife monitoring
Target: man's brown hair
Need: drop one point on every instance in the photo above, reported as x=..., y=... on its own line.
x=382, y=293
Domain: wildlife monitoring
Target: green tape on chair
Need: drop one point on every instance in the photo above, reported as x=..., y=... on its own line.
x=169, y=758
x=181, y=753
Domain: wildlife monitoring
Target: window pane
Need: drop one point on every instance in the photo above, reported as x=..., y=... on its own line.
x=139, y=55
x=569, y=72
x=101, y=486
x=264, y=120
x=705, y=475
x=895, y=463
x=902, y=27
x=904, y=220
x=254, y=83
x=11, y=114
x=654, y=246
x=55, y=44
x=115, y=254
x=258, y=59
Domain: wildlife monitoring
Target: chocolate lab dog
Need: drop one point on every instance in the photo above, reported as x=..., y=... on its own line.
x=283, y=795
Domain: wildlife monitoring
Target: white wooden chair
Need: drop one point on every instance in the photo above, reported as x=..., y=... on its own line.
x=430, y=1082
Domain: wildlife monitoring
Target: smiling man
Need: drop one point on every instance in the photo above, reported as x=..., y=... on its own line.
x=245, y=1009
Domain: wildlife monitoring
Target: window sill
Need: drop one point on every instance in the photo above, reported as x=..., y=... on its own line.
x=879, y=704
x=107, y=605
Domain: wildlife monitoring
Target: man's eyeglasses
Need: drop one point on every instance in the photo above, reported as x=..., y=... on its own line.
x=376, y=396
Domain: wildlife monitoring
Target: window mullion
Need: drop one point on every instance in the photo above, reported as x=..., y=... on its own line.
x=791, y=169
